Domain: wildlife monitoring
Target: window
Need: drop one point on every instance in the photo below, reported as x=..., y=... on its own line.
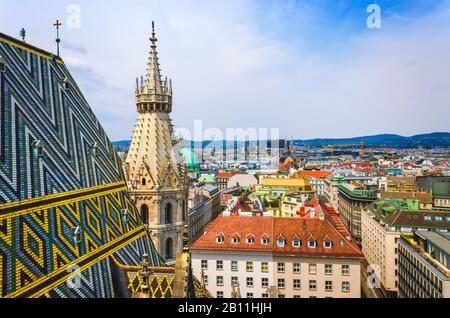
x=219, y=281
x=264, y=240
x=281, y=296
x=2, y=65
x=296, y=284
x=236, y=239
x=205, y=280
x=249, y=295
x=219, y=265
x=249, y=282
x=264, y=267
x=346, y=287
x=312, y=244
x=341, y=242
x=265, y=295
x=281, y=284
x=345, y=270
x=66, y=83
x=220, y=239
x=204, y=264
x=280, y=267
x=281, y=243
x=328, y=285
x=296, y=268
x=234, y=281
x=427, y=218
x=143, y=182
x=144, y=213
x=328, y=269
x=169, y=219
x=220, y=294
x=312, y=285
x=169, y=248
x=296, y=296
x=250, y=239
x=438, y=218
x=264, y=282
x=234, y=266
x=327, y=244
x=296, y=243
x=312, y=269
x=249, y=266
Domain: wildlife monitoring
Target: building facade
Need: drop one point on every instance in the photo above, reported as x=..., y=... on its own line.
x=277, y=257
x=381, y=227
x=156, y=180
x=352, y=201
x=424, y=260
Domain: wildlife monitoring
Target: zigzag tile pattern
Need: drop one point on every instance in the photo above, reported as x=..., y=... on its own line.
x=63, y=204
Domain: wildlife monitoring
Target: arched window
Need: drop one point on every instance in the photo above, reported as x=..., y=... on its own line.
x=144, y=213
x=169, y=219
x=144, y=182
x=169, y=248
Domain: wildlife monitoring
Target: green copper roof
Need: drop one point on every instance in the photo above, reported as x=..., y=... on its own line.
x=190, y=159
x=207, y=178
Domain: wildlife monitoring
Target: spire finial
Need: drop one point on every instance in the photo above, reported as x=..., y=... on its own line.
x=57, y=24
x=23, y=33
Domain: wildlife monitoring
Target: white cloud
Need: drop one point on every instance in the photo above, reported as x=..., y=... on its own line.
x=234, y=65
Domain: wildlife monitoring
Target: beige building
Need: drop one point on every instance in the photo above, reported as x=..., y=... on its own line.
x=379, y=246
x=317, y=277
x=381, y=227
x=277, y=257
x=156, y=182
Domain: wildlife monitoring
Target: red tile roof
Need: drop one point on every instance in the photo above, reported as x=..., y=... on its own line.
x=303, y=229
x=229, y=226
x=225, y=174
x=317, y=174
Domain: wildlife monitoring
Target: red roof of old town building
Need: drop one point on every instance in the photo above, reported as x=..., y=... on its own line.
x=274, y=229
x=317, y=174
x=225, y=174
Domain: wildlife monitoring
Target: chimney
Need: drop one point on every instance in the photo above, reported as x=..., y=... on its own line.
x=312, y=213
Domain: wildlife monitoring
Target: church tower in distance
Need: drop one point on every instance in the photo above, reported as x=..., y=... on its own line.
x=156, y=181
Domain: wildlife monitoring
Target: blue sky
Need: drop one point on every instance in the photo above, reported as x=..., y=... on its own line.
x=311, y=68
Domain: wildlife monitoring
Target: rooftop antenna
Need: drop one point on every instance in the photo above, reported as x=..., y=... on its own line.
x=23, y=33
x=57, y=24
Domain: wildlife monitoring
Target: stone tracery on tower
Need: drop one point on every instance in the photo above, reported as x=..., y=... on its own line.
x=153, y=174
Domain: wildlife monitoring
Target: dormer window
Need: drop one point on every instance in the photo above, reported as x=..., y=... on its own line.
x=94, y=149
x=77, y=235
x=38, y=148
x=281, y=242
x=341, y=243
x=312, y=244
x=250, y=239
x=2, y=65
x=296, y=243
x=236, y=239
x=327, y=244
x=125, y=215
x=66, y=83
x=220, y=239
x=265, y=240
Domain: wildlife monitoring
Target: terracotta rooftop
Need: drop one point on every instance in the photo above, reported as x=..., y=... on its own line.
x=317, y=174
x=287, y=229
x=225, y=174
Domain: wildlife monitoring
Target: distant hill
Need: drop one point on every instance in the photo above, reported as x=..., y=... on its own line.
x=431, y=140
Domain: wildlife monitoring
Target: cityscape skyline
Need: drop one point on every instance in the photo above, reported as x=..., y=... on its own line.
x=315, y=56
x=263, y=197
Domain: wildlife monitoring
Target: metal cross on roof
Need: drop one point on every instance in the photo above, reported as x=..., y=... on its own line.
x=57, y=24
x=22, y=34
